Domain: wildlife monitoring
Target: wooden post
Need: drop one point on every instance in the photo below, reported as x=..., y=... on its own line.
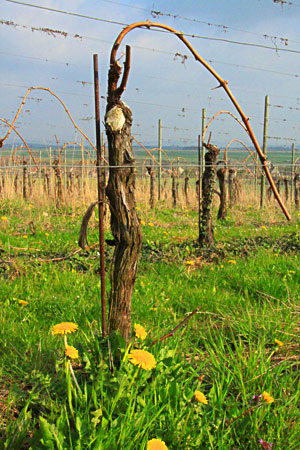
x=100, y=195
x=49, y=178
x=65, y=168
x=202, y=146
x=159, y=158
x=25, y=179
x=198, y=183
x=256, y=175
x=292, y=170
x=265, y=138
x=82, y=165
x=40, y=174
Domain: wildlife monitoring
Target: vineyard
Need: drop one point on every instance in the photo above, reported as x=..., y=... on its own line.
x=149, y=289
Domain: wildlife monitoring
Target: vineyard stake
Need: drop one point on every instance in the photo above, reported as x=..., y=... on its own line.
x=202, y=144
x=199, y=190
x=100, y=195
x=159, y=158
x=265, y=139
x=292, y=170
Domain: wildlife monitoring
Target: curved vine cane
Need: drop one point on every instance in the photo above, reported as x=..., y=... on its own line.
x=115, y=92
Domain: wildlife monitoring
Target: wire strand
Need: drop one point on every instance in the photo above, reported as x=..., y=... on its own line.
x=192, y=35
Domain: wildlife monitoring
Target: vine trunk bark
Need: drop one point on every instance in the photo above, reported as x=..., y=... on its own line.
x=174, y=191
x=206, y=235
x=125, y=225
x=222, y=177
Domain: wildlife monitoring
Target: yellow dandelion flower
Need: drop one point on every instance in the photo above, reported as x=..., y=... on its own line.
x=263, y=226
x=153, y=309
x=231, y=261
x=156, y=444
x=142, y=358
x=25, y=236
x=46, y=234
x=279, y=343
x=143, y=222
x=190, y=263
x=64, y=328
x=200, y=397
x=23, y=302
x=151, y=224
x=140, y=331
x=71, y=352
x=4, y=218
x=267, y=397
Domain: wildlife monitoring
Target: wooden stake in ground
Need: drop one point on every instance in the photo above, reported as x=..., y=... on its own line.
x=297, y=190
x=206, y=235
x=101, y=194
x=25, y=180
x=120, y=190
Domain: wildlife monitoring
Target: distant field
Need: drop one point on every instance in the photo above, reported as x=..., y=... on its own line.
x=190, y=156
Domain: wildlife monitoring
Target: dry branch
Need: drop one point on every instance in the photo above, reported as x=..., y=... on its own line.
x=222, y=83
x=171, y=333
x=82, y=240
x=20, y=136
x=63, y=105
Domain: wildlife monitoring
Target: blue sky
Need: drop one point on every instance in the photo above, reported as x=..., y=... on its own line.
x=161, y=85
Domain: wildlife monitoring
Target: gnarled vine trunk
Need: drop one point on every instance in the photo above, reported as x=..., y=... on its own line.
x=206, y=235
x=152, y=176
x=125, y=224
x=186, y=187
x=174, y=190
x=222, y=177
x=297, y=190
x=234, y=187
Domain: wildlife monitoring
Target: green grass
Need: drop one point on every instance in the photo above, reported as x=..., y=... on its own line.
x=246, y=288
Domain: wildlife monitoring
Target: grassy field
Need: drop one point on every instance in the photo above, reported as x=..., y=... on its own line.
x=242, y=343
